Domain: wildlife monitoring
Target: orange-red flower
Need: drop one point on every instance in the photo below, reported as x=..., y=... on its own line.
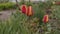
x=29, y=11
x=45, y=18
x=24, y=8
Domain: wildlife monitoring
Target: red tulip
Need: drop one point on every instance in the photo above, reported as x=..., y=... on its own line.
x=24, y=9
x=45, y=18
x=29, y=11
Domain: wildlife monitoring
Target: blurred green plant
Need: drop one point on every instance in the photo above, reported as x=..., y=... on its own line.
x=6, y=6
x=18, y=23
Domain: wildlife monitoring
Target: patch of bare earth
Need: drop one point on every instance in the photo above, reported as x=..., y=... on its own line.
x=5, y=14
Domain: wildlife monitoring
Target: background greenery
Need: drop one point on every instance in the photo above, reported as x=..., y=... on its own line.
x=6, y=6
x=19, y=23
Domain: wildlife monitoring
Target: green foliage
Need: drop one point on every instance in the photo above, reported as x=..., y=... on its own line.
x=4, y=6
x=14, y=25
x=19, y=23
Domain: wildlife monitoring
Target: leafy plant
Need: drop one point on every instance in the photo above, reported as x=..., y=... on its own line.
x=4, y=6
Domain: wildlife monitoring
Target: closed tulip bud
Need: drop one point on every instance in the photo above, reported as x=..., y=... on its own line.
x=45, y=18
x=24, y=8
x=29, y=11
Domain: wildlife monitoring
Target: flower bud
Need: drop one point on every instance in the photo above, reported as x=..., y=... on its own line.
x=45, y=18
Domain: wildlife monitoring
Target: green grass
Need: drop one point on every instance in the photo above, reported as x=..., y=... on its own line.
x=19, y=23
x=6, y=6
